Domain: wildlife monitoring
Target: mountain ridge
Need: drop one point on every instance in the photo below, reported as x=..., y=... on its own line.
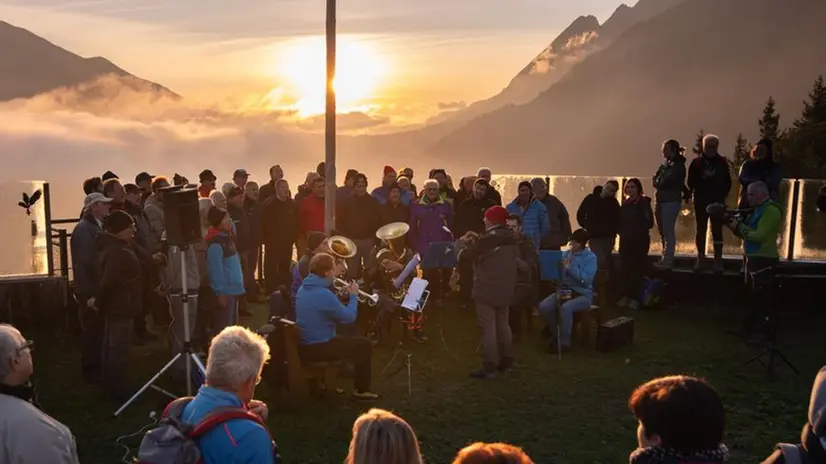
x=31, y=65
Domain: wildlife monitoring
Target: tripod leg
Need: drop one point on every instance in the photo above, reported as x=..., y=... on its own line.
x=147, y=385
x=409, y=363
x=786, y=361
x=393, y=358
x=198, y=362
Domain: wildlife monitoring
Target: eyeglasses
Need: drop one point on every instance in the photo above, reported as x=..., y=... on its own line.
x=27, y=345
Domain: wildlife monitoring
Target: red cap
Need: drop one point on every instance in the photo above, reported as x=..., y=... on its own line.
x=497, y=215
x=388, y=170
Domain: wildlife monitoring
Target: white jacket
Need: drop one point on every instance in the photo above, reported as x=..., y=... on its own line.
x=28, y=436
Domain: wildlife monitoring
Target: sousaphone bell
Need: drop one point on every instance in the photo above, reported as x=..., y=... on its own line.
x=342, y=248
x=394, y=236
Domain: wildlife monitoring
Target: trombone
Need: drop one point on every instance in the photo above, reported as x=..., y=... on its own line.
x=341, y=286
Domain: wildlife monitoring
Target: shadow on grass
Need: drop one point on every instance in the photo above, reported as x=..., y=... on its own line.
x=572, y=411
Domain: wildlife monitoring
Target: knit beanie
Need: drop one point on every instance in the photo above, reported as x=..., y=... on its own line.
x=497, y=215
x=117, y=222
x=388, y=170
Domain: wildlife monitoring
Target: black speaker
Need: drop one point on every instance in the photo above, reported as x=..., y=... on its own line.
x=181, y=215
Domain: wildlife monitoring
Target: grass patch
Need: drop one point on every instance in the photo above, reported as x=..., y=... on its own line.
x=569, y=412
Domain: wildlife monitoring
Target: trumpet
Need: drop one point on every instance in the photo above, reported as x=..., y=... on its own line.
x=342, y=285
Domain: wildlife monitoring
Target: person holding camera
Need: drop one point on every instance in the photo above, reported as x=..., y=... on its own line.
x=759, y=231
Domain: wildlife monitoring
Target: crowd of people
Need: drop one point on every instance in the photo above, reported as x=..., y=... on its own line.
x=125, y=274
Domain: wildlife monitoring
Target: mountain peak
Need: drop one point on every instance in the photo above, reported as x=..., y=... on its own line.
x=31, y=65
x=581, y=25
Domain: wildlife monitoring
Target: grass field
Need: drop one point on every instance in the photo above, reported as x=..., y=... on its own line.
x=569, y=412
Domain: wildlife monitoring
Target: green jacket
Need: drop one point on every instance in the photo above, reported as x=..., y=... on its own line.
x=761, y=229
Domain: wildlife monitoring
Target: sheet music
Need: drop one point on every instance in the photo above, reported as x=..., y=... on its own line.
x=411, y=266
x=414, y=295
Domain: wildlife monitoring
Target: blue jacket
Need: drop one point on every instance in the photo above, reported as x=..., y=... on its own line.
x=237, y=441
x=535, y=223
x=382, y=193
x=223, y=264
x=318, y=310
x=579, y=274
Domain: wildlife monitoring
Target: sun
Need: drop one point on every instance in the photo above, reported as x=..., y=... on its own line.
x=360, y=68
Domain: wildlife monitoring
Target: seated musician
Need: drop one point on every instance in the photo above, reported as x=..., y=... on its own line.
x=383, y=267
x=316, y=243
x=575, y=292
x=318, y=311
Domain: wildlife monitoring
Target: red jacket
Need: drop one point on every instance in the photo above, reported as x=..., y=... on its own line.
x=311, y=214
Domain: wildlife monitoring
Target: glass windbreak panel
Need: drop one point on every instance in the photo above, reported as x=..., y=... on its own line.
x=810, y=237
x=571, y=190
x=23, y=248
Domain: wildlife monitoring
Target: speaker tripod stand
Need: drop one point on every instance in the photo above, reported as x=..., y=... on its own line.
x=186, y=351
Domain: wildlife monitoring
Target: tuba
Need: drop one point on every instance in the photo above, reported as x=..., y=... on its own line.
x=342, y=249
x=393, y=235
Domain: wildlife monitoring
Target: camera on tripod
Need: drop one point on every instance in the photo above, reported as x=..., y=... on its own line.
x=719, y=210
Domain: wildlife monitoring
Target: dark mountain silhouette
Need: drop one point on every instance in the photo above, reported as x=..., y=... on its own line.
x=583, y=37
x=31, y=65
x=703, y=63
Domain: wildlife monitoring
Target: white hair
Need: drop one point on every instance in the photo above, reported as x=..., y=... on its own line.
x=227, y=187
x=481, y=170
x=218, y=198
x=759, y=187
x=711, y=138
x=236, y=355
x=431, y=183
x=9, y=347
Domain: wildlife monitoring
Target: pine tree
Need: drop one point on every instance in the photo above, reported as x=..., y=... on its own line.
x=770, y=122
x=804, y=144
x=698, y=145
x=814, y=110
x=742, y=148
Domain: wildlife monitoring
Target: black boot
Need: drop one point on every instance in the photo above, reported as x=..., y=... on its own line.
x=487, y=371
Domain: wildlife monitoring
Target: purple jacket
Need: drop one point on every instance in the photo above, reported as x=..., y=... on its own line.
x=426, y=221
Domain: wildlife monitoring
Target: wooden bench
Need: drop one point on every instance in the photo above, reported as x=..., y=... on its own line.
x=320, y=376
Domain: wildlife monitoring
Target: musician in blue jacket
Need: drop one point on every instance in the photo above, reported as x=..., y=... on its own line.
x=576, y=291
x=317, y=313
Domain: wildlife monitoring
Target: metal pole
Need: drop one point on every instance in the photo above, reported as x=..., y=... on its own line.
x=330, y=121
x=47, y=209
x=795, y=187
x=63, y=242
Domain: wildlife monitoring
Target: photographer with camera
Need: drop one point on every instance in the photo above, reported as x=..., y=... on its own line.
x=759, y=231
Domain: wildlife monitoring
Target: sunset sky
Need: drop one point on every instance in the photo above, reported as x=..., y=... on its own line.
x=404, y=59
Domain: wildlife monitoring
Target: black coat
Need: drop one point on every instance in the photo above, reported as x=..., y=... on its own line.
x=709, y=179
x=279, y=221
x=359, y=217
x=469, y=216
x=121, y=278
x=393, y=213
x=599, y=216
x=636, y=218
x=494, y=195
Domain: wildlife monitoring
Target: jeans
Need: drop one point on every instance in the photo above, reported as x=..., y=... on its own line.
x=117, y=341
x=277, y=260
x=365, y=247
x=92, y=324
x=226, y=316
x=547, y=309
x=634, y=256
x=602, y=247
x=666, y=224
x=703, y=219
x=359, y=349
x=497, y=339
x=177, y=334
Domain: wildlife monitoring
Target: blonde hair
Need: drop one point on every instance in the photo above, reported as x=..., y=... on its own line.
x=236, y=355
x=484, y=453
x=218, y=199
x=203, y=208
x=381, y=437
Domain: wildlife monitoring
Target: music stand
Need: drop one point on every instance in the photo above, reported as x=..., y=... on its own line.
x=186, y=349
x=766, y=276
x=414, y=301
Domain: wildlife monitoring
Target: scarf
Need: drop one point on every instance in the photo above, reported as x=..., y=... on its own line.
x=26, y=392
x=659, y=455
x=631, y=201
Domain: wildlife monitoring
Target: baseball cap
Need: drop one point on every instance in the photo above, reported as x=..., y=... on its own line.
x=240, y=173
x=109, y=175
x=94, y=198
x=131, y=188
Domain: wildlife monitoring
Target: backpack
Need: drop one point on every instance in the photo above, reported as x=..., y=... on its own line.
x=651, y=293
x=176, y=442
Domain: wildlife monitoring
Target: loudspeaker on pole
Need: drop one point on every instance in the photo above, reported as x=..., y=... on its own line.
x=181, y=216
